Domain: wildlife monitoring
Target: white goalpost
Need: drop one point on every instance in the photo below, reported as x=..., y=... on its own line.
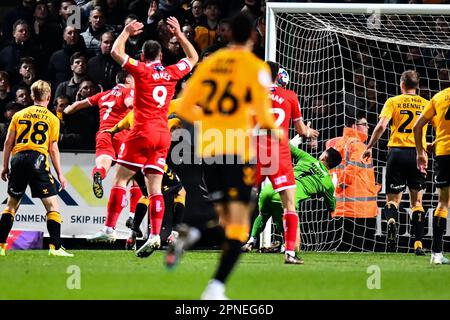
x=346, y=60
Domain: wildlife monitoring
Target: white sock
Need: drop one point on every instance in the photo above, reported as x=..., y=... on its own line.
x=108, y=230
x=132, y=215
x=291, y=253
x=216, y=284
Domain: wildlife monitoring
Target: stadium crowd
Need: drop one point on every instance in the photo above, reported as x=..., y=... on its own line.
x=42, y=39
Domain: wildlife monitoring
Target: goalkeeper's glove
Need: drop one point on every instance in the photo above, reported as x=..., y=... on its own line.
x=296, y=141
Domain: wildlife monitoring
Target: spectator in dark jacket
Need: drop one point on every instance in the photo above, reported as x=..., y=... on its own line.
x=172, y=8
x=102, y=69
x=195, y=15
x=114, y=12
x=72, y=135
x=70, y=88
x=27, y=71
x=23, y=11
x=139, y=8
x=23, y=97
x=59, y=63
x=5, y=94
x=20, y=47
x=93, y=33
x=47, y=34
x=10, y=109
x=65, y=11
x=133, y=46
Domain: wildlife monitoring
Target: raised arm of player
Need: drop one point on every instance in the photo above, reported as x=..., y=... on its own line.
x=8, y=146
x=118, y=50
x=78, y=105
x=376, y=134
x=188, y=48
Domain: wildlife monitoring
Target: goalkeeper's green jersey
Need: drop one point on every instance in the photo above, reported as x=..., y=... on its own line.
x=312, y=178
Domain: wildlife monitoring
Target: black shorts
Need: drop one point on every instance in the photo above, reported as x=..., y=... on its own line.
x=442, y=171
x=170, y=183
x=229, y=180
x=402, y=171
x=30, y=168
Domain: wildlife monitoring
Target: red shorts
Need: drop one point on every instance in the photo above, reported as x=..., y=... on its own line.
x=107, y=146
x=275, y=163
x=145, y=150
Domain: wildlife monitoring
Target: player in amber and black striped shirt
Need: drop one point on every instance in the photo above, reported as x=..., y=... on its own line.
x=401, y=170
x=32, y=136
x=437, y=111
x=230, y=87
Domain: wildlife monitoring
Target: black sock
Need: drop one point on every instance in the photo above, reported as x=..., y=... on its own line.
x=439, y=225
x=6, y=223
x=390, y=212
x=178, y=213
x=418, y=224
x=230, y=255
x=54, y=231
x=139, y=214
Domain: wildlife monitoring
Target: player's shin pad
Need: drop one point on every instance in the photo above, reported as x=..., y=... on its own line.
x=418, y=222
x=439, y=224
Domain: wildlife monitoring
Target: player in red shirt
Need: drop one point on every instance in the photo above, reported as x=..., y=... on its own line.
x=148, y=142
x=275, y=162
x=114, y=104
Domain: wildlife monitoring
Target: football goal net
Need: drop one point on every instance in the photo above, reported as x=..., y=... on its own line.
x=345, y=60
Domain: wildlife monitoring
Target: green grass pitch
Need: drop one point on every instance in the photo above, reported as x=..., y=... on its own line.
x=113, y=274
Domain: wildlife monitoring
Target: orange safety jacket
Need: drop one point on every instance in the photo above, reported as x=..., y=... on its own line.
x=356, y=190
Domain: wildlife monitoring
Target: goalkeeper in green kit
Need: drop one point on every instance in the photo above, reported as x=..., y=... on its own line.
x=311, y=178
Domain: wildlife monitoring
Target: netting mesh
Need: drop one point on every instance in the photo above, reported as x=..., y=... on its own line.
x=341, y=65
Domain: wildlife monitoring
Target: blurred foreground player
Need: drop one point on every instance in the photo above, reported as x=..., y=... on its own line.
x=230, y=87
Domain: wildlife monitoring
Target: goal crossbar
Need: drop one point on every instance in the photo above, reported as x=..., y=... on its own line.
x=338, y=8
